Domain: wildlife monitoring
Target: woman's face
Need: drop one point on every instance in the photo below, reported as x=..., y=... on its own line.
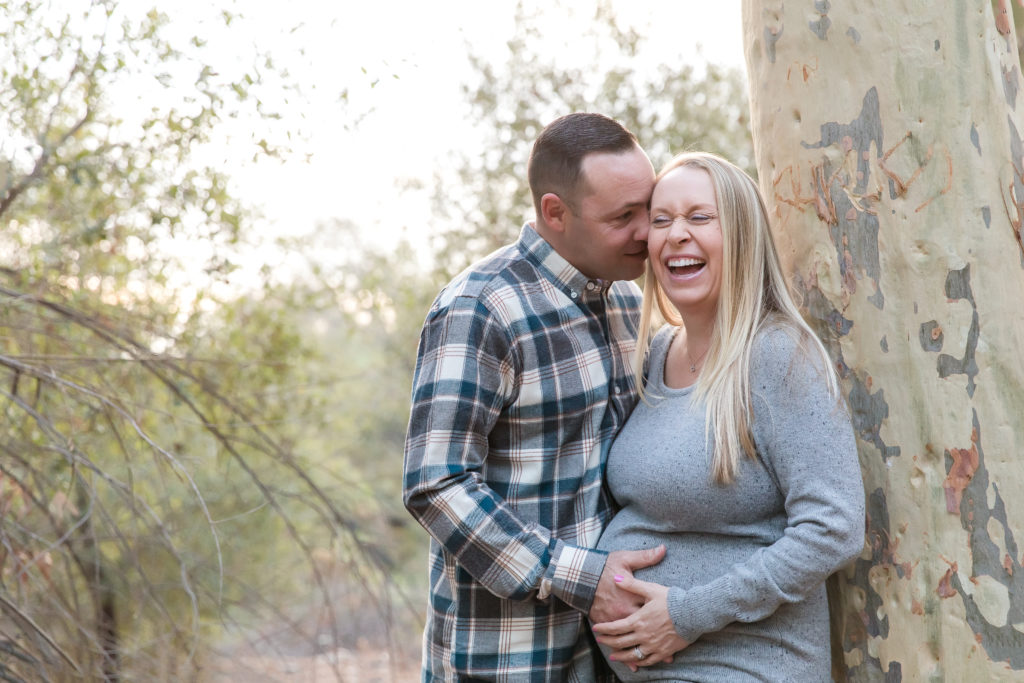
x=685, y=241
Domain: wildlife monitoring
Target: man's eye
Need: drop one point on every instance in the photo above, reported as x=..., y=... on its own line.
x=626, y=216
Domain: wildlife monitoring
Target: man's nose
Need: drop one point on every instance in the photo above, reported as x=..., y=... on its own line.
x=643, y=228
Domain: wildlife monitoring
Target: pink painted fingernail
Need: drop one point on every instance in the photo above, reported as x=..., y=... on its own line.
x=618, y=579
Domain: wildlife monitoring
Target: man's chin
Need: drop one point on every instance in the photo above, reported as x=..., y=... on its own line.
x=631, y=274
x=638, y=262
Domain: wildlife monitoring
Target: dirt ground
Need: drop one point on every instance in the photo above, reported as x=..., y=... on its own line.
x=363, y=666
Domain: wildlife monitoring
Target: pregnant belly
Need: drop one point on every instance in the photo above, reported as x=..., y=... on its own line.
x=788, y=640
x=691, y=559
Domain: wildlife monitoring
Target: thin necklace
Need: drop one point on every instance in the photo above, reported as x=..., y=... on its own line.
x=693, y=363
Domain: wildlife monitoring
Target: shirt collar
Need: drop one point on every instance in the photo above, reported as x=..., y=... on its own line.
x=562, y=273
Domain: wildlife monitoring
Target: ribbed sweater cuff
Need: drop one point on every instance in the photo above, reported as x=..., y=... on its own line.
x=697, y=611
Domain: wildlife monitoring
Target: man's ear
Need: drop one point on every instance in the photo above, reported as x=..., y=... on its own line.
x=553, y=211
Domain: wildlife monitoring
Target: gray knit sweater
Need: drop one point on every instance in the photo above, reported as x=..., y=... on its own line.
x=746, y=562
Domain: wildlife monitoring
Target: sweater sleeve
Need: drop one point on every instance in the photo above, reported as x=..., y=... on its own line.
x=805, y=438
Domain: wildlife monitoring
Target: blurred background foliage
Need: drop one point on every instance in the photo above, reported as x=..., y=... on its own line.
x=670, y=107
x=197, y=478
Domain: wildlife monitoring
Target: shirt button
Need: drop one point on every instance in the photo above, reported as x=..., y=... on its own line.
x=572, y=294
x=618, y=389
x=591, y=286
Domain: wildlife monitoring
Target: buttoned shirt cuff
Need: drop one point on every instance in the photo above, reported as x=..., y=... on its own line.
x=573, y=575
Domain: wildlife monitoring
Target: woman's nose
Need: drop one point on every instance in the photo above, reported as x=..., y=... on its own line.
x=680, y=230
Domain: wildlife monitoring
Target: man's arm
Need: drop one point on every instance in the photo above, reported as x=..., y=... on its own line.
x=466, y=373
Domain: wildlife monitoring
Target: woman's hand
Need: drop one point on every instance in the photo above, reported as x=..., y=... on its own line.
x=649, y=631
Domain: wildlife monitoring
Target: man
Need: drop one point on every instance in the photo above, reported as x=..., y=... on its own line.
x=522, y=380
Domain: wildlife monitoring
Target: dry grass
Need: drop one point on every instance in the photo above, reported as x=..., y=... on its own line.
x=364, y=665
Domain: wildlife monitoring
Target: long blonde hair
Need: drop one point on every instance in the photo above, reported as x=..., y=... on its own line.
x=753, y=293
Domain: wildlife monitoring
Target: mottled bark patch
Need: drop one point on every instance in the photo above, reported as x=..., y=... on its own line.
x=853, y=225
x=818, y=305
x=871, y=621
x=869, y=411
x=821, y=25
x=826, y=321
x=875, y=622
x=1011, y=85
x=771, y=37
x=862, y=132
x=1014, y=204
x=960, y=471
x=958, y=287
x=945, y=588
x=1001, y=641
x=930, y=336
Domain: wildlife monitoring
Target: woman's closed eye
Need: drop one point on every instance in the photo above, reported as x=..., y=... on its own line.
x=695, y=219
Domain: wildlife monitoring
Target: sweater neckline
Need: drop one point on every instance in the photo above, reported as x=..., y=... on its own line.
x=658, y=369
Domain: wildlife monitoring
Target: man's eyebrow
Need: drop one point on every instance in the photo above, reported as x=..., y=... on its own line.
x=626, y=207
x=630, y=205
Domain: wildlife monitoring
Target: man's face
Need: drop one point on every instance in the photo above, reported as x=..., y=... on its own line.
x=606, y=235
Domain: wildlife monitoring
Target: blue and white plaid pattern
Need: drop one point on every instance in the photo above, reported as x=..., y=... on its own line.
x=522, y=380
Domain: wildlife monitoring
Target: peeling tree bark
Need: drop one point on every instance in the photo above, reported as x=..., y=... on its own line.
x=888, y=136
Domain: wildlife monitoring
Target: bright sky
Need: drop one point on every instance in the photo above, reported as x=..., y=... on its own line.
x=401, y=63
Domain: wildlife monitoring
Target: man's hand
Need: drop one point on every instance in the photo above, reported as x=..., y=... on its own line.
x=611, y=602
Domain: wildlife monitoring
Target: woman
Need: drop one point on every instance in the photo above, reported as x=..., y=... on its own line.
x=740, y=458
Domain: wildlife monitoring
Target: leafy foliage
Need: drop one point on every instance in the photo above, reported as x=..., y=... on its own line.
x=671, y=108
x=155, y=477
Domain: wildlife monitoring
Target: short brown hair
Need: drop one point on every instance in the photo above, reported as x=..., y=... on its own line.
x=556, y=160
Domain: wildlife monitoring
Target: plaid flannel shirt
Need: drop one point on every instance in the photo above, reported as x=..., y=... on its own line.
x=522, y=380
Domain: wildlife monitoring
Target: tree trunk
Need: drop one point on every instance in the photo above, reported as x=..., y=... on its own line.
x=889, y=149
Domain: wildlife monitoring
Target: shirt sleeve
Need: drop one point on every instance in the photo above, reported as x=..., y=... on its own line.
x=467, y=371
x=806, y=440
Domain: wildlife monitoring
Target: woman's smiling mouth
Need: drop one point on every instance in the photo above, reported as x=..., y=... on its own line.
x=684, y=265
